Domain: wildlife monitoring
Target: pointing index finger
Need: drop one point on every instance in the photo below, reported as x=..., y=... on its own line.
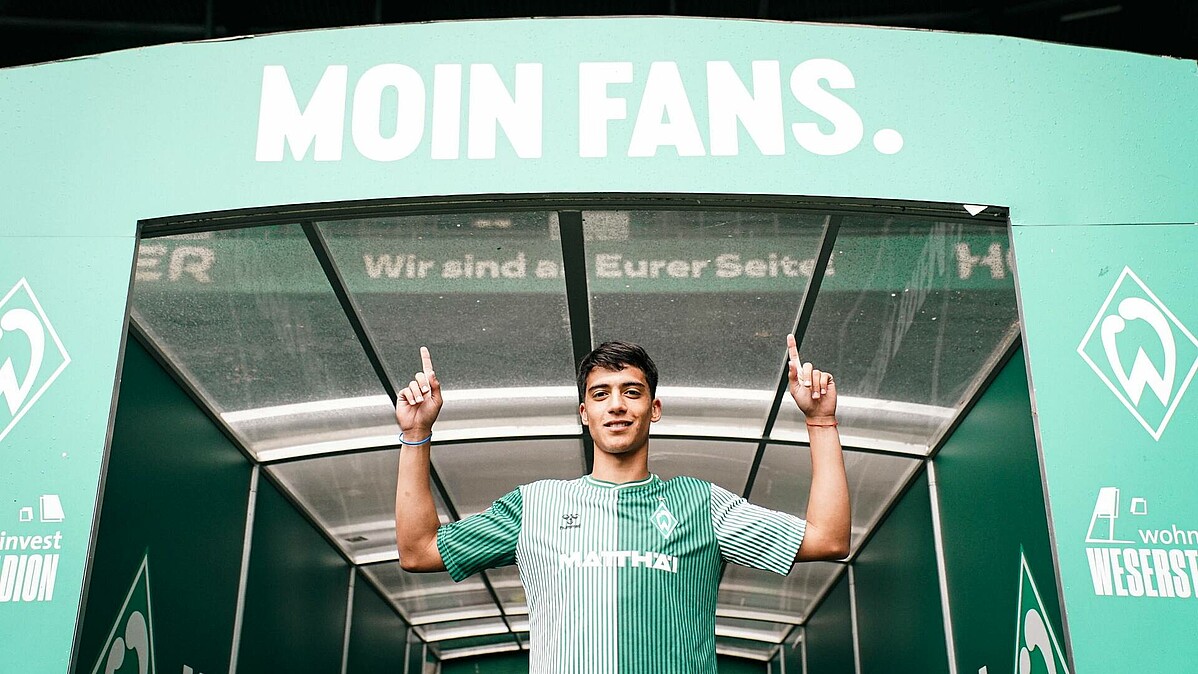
x=792, y=349
x=426, y=360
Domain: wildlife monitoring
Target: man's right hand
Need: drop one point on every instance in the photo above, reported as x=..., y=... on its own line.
x=420, y=402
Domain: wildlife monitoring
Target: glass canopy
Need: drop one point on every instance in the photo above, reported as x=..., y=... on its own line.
x=295, y=336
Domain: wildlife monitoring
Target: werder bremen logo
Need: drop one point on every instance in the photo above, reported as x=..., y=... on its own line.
x=1142, y=352
x=663, y=519
x=129, y=648
x=1037, y=650
x=31, y=355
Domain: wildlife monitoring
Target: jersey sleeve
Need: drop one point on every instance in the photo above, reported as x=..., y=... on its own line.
x=754, y=536
x=482, y=541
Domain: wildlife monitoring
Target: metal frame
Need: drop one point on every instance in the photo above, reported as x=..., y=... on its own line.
x=802, y=321
x=243, y=579
x=568, y=207
x=950, y=643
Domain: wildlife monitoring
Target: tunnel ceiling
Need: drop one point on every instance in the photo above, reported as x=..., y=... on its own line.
x=294, y=334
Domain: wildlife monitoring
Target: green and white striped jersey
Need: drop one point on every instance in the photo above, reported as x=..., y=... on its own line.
x=621, y=578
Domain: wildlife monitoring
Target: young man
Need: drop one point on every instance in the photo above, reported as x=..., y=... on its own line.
x=621, y=568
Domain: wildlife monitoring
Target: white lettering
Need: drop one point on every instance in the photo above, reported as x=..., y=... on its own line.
x=618, y=559
x=595, y=108
x=728, y=101
x=192, y=260
x=447, y=111
x=665, y=96
x=368, y=107
x=322, y=121
x=28, y=577
x=148, y=257
x=847, y=127
x=491, y=105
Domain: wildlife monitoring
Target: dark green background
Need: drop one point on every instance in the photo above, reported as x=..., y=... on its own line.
x=991, y=505
x=377, y=637
x=830, y=633
x=175, y=490
x=900, y=624
x=296, y=596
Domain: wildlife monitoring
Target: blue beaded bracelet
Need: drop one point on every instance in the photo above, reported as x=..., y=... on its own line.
x=414, y=444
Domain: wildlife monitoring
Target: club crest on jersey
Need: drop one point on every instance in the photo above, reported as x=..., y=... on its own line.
x=664, y=520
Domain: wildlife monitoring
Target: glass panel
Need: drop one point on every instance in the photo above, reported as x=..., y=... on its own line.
x=784, y=479
x=425, y=598
x=459, y=629
x=744, y=648
x=352, y=497
x=479, y=291
x=710, y=294
x=249, y=315
x=506, y=581
x=477, y=473
x=755, y=630
x=909, y=315
x=751, y=593
x=723, y=463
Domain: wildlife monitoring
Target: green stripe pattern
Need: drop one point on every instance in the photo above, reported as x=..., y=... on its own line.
x=621, y=578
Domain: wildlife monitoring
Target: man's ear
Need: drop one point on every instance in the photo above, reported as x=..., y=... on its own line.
x=582, y=413
x=656, y=413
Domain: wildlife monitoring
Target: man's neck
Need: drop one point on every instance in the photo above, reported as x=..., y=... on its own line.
x=621, y=468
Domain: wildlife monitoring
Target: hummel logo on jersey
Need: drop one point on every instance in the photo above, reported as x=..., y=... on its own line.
x=663, y=519
x=570, y=521
x=619, y=559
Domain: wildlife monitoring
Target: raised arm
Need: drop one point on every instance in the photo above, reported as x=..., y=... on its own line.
x=828, y=516
x=415, y=513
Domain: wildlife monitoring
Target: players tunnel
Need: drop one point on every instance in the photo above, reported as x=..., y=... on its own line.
x=224, y=256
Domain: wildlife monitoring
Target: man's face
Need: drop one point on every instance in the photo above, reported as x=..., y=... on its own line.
x=618, y=409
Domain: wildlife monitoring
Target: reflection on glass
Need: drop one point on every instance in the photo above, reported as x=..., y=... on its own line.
x=910, y=312
x=710, y=294
x=476, y=474
x=352, y=496
x=249, y=314
x=752, y=593
x=784, y=479
x=427, y=598
x=486, y=293
x=723, y=463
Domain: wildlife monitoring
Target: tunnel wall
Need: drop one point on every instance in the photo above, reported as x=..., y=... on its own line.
x=377, y=637
x=296, y=595
x=172, y=525
x=992, y=511
x=900, y=625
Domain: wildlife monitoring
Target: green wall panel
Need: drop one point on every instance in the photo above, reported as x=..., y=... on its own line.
x=500, y=663
x=992, y=508
x=900, y=623
x=1111, y=316
x=296, y=595
x=830, y=633
x=377, y=636
x=175, y=495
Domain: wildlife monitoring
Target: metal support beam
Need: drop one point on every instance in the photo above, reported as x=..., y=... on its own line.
x=802, y=321
x=578, y=302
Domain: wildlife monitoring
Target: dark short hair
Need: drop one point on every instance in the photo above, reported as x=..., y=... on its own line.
x=616, y=356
